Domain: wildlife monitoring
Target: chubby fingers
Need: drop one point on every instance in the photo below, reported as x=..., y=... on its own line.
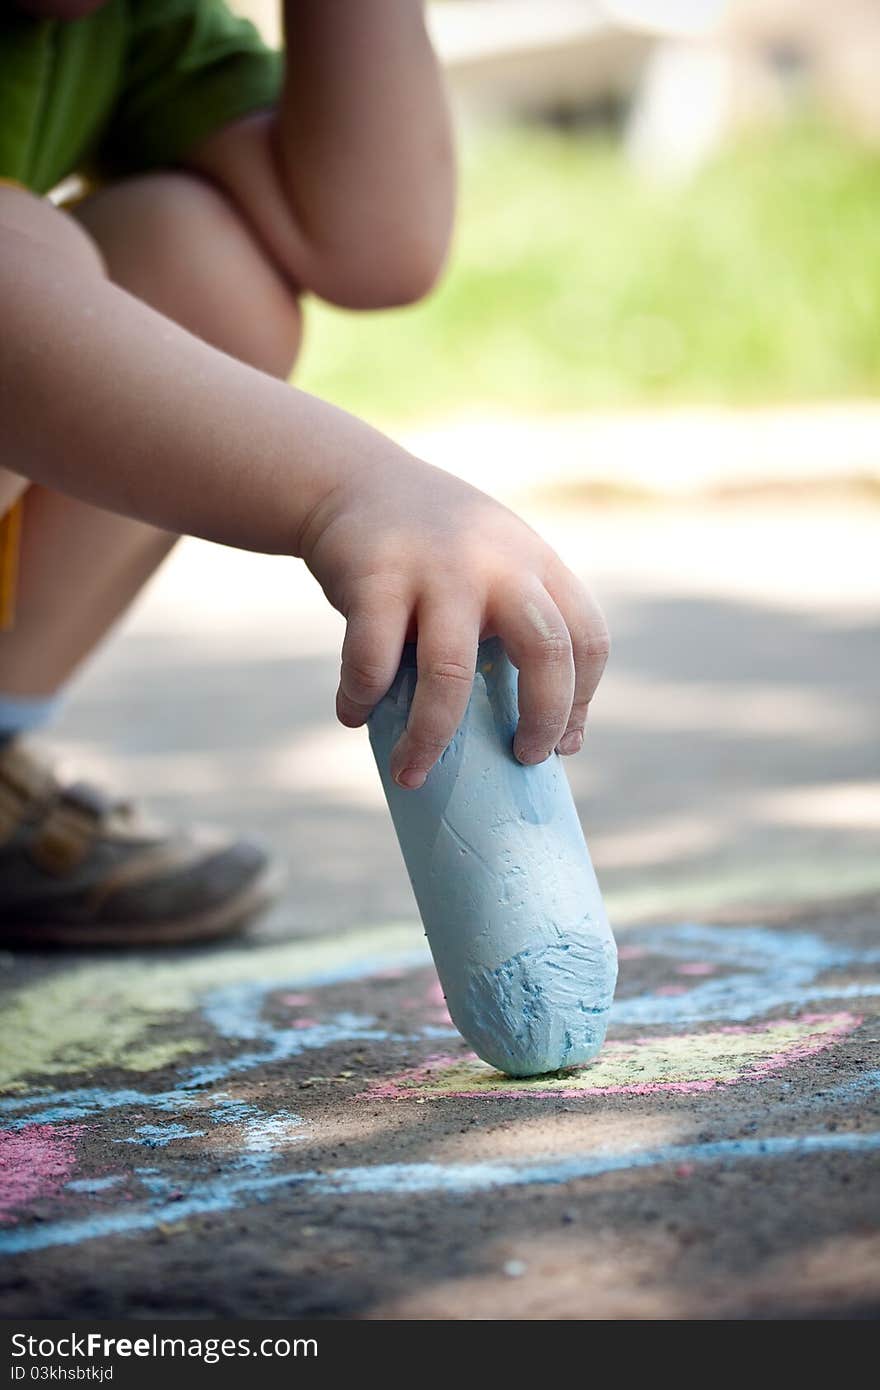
x=590, y=645
x=448, y=633
x=537, y=640
x=556, y=636
x=374, y=636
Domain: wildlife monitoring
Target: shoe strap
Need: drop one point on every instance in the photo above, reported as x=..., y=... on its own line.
x=64, y=820
x=27, y=789
x=65, y=837
x=31, y=779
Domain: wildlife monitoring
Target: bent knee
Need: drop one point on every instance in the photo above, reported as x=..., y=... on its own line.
x=177, y=242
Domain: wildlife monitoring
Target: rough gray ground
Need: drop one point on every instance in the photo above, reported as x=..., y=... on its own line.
x=340, y=1200
x=721, y=1159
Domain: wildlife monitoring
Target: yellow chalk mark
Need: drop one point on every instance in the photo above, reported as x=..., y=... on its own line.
x=692, y=1061
x=102, y=1014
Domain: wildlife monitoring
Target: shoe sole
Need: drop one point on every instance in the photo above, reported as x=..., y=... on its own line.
x=224, y=919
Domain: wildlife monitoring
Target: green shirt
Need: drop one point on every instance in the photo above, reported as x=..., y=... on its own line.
x=131, y=86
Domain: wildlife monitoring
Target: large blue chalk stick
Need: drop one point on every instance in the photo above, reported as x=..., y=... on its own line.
x=504, y=882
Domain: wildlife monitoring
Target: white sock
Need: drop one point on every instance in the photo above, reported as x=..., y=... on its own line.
x=21, y=714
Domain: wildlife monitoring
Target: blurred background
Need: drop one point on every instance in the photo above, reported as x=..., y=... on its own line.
x=659, y=339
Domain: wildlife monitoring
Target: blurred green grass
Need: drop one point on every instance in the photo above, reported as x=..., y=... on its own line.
x=574, y=283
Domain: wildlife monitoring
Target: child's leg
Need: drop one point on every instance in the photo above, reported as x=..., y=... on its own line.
x=78, y=571
x=74, y=868
x=178, y=244
x=175, y=243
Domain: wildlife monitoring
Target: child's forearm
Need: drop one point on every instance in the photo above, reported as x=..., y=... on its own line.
x=365, y=142
x=104, y=399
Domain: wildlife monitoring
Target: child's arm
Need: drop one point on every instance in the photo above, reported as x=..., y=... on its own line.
x=350, y=183
x=102, y=398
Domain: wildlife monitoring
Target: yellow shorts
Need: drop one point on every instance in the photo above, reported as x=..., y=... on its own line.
x=10, y=541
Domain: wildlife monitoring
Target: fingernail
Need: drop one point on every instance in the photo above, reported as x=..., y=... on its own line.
x=411, y=778
x=530, y=757
x=573, y=742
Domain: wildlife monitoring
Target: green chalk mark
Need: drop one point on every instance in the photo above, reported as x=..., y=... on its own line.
x=101, y=1014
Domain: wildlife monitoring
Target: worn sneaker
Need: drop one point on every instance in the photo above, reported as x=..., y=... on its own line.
x=77, y=869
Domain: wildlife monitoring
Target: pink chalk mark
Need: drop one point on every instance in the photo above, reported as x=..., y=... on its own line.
x=393, y=972
x=833, y=1028
x=437, y=1003
x=696, y=967
x=305, y=1023
x=431, y=1005
x=295, y=1001
x=668, y=990
x=34, y=1162
x=631, y=952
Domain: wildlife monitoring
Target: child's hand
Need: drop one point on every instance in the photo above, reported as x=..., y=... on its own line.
x=402, y=550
